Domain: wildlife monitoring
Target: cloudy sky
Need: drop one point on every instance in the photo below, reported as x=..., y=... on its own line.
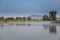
x=28, y=7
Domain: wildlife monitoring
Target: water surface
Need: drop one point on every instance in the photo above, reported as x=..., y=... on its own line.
x=30, y=31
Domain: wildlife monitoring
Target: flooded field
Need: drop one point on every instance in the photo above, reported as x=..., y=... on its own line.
x=30, y=31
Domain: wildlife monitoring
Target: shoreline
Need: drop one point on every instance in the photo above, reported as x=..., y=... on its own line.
x=10, y=21
x=18, y=21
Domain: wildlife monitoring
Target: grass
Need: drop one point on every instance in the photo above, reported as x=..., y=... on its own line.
x=10, y=21
x=18, y=21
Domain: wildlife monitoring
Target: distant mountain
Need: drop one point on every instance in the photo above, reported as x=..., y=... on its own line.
x=36, y=16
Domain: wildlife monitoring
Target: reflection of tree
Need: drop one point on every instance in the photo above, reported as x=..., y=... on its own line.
x=1, y=25
x=20, y=24
x=52, y=29
x=28, y=24
x=10, y=24
x=45, y=26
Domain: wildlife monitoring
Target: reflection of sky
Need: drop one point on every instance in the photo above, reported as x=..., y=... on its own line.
x=27, y=7
x=34, y=32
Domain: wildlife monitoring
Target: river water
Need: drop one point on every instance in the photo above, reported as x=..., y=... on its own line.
x=30, y=31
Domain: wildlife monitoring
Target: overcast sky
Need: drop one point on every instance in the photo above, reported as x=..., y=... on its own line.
x=28, y=7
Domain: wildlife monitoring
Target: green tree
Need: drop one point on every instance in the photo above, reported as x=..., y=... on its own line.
x=52, y=15
x=1, y=18
x=24, y=18
x=9, y=18
x=18, y=18
x=45, y=17
x=29, y=18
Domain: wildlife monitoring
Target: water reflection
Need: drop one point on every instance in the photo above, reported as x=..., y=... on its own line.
x=29, y=25
x=0, y=38
x=23, y=24
x=45, y=27
x=1, y=25
x=10, y=24
x=28, y=31
x=52, y=28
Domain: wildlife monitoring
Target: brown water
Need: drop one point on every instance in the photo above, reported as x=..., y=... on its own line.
x=30, y=31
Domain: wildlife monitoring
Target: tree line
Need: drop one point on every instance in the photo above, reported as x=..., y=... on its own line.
x=17, y=18
x=51, y=17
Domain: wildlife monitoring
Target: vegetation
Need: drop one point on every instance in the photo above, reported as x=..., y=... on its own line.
x=10, y=18
x=1, y=18
x=45, y=18
x=18, y=18
x=52, y=16
x=29, y=18
x=24, y=18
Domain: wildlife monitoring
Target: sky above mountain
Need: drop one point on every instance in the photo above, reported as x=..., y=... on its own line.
x=28, y=7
